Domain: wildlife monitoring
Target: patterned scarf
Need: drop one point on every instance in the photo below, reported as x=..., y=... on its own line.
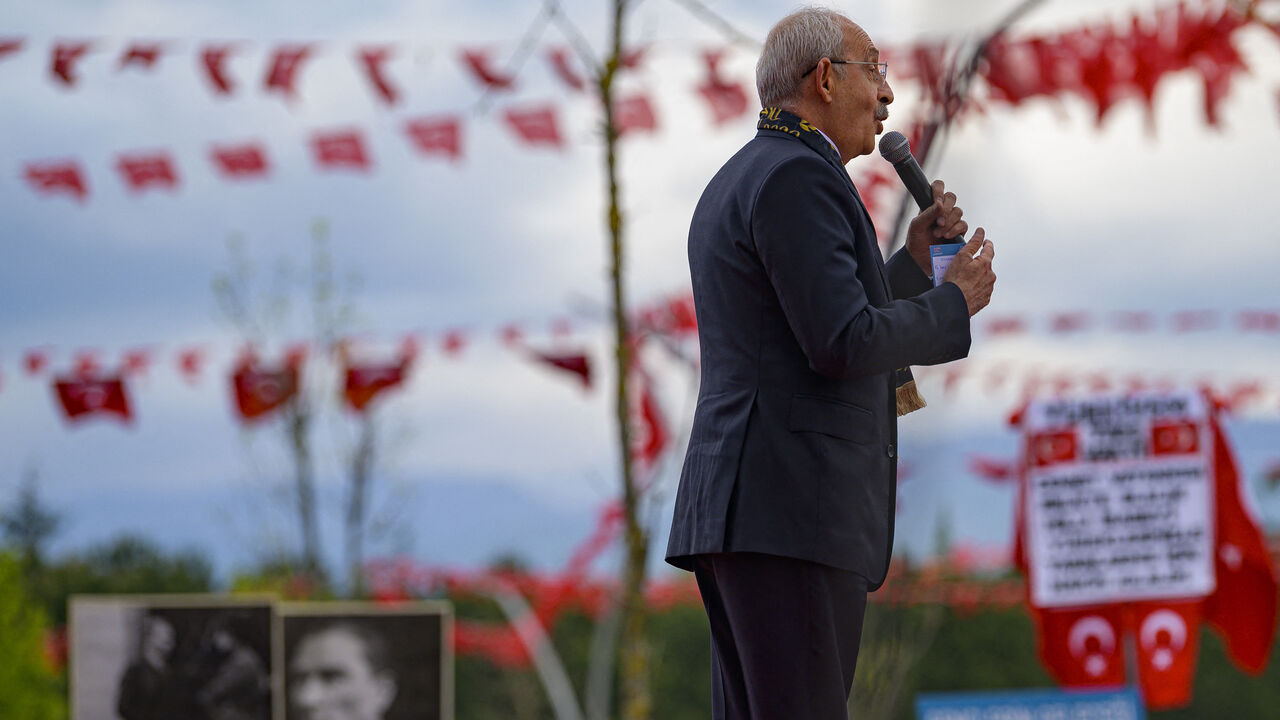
x=772, y=118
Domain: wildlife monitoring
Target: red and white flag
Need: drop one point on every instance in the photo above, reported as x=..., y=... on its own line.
x=1083, y=647
x=146, y=170
x=577, y=364
x=286, y=63
x=364, y=382
x=372, y=60
x=58, y=177
x=214, y=59
x=259, y=391
x=248, y=160
x=84, y=397
x=535, y=126
x=341, y=149
x=9, y=46
x=480, y=65
x=634, y=113
x=1168, y=640
x=1243, y=607
x=437, y=135
x=143, y=54
x=65, y=57
x=560, y=64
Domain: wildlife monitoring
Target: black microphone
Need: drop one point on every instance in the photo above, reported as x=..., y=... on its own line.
x=895, y=148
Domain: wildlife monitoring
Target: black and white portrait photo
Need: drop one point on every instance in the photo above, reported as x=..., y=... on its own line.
x=147, y=658
x=358, y=661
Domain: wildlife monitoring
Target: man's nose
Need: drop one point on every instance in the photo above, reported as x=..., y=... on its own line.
x=886, y=93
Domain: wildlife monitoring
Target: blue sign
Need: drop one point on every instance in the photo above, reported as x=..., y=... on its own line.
x=1031, y=705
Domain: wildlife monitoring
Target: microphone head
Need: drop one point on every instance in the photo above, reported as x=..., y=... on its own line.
x=894, y=147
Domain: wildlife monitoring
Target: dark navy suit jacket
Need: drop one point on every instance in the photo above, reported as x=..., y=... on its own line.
x=793, y=447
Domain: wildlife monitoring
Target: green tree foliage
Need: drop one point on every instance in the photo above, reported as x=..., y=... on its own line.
x=29, y=687
x=126, y=565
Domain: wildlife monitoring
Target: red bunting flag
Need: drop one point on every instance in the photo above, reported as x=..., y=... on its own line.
x=135, y=361
x=1006, y=326
x=535, y=126
x=365, y=382
x=35, y=361
x=190, y=361
x=634, y=113
x=512, y=335
x=285, y=66
x=65, y=56
x=240, y=161
x=1260, y=321
x=454, y=342
x=726, y=101
x=1068, y=322
x=633, y=58
x=480, y=65
x=340, y=149
x=437, y=135
x=145, y=55
x=993, y=469
x=372, y=60
x=1134, y=321
x=559, y=59
x=58, y=177
x=214, y=58
x=577, y=364
x=260, y=391
x=83, y=397
x=9, y=46
x=144, y=170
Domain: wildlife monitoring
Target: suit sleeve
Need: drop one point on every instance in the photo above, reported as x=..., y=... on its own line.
x=804, y=237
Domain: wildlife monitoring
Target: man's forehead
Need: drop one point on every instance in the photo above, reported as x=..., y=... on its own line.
x=859, y=42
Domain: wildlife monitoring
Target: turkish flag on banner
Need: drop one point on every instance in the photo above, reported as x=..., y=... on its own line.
x=214, y=59
x=578, y=364
x=82, y=397
x=56, y=177
x=1243, y=607
x=1175, y=438
x=478, y=62
x=285, y=65
x=65, y=56
x=1168, y=635
x=1082, y=647
x=143, y=54
x=141, y=171
x=559, y=59
x=240, y=161
x=535, y=126
x=365, y=382
x=345, y=149
x=258, y=392
x=437, y=135
x=1050, y=448
x=371, y=60
x=634, y=113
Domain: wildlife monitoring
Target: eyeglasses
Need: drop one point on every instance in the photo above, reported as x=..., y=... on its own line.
x=882, y=68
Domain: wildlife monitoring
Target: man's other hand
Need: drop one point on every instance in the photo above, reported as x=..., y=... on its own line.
x=941, y=220
x=971, y=271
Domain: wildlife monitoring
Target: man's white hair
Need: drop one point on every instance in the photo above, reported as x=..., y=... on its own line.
x=794, y=45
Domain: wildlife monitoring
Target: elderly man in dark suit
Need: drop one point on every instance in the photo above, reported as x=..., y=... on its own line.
x=786, y=502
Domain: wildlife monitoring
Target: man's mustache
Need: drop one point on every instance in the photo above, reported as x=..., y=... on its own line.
x=882, y=112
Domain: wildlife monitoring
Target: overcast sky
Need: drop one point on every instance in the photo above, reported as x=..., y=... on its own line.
x=486, y=453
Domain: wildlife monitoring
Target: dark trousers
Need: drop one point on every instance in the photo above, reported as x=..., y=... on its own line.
x=784, y=636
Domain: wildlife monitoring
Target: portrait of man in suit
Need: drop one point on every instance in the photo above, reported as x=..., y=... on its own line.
x=785, y=508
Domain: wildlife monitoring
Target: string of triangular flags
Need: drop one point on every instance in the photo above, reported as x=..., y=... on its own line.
x=1102, y=64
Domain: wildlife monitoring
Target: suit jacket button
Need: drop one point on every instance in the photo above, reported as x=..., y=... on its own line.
x=891, y=451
